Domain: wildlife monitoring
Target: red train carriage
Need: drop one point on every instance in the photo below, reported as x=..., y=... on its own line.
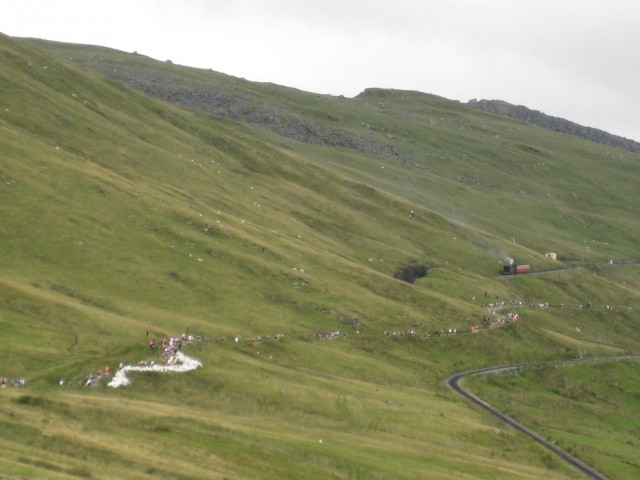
x=512, y=268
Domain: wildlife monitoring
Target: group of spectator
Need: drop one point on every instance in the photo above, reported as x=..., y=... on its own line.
x=170, y=346
x=253, y=340
x=94, y=378
x=16, y=382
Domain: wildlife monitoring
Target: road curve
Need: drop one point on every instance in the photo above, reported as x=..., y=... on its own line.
x=453, y=383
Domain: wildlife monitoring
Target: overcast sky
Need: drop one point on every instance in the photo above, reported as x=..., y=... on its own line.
x=577, y=59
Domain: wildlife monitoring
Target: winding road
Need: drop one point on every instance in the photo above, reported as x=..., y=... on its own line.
x=453, y=382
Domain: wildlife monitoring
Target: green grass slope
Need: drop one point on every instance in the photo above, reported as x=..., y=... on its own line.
x=464, y=164
x=122, y=214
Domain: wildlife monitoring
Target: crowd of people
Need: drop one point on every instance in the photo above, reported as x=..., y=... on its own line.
x=254, y=339
x=94, y=378
x=16, y=382
x=499, y=313
x=167, y=352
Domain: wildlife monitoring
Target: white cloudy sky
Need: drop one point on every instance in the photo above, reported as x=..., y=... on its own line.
x=577, y=59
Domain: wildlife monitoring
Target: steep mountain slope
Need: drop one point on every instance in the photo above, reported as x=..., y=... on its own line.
x=122, y=216
x=437, y=149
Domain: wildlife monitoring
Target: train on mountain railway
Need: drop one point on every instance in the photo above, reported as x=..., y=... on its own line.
x=512, y=268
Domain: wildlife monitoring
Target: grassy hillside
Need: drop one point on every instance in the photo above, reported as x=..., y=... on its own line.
x=459, y=162
x=600, y=431
x=122, y=215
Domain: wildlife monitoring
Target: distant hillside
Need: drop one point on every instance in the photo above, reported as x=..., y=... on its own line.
x=556, y=124
x=226, y=96
x=433, y=146
x=260, y=104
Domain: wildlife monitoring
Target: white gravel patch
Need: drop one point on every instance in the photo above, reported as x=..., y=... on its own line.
x=183, y=363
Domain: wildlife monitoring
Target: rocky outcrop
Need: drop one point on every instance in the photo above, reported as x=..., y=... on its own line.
x=557, y=124
x=242, y=106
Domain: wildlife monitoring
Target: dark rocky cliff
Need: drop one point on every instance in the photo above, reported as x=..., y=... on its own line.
x=557, y=124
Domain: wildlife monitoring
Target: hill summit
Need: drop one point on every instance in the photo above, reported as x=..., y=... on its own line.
x=556, y=124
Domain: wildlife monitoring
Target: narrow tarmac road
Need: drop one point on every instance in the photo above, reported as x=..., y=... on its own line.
x=453, y=383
